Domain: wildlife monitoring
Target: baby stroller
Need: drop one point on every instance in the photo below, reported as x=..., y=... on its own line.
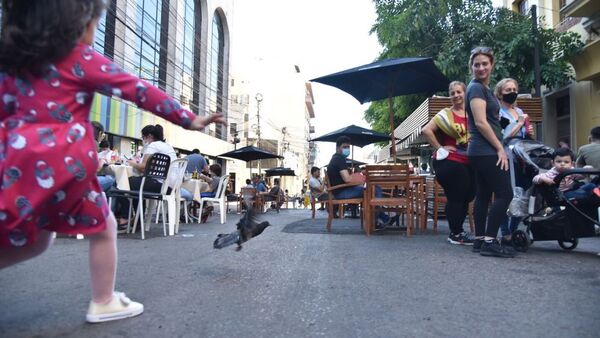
x=549, y=215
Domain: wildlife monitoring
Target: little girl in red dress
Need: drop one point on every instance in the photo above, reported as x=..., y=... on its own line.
x=48, y=77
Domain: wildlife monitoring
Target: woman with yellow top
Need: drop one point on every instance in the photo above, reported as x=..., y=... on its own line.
x=447, y=133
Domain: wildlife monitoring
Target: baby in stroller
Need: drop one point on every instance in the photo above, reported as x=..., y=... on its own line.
x=561, y=205
x=570, y=185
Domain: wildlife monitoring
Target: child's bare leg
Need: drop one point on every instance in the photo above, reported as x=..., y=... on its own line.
x=103, y=261
x=14, y=255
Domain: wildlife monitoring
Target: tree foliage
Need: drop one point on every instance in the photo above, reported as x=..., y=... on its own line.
x=447, y=30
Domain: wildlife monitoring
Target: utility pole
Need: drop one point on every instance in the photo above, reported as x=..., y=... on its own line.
x=283, y=143
x=536, y=52
x=259, y=99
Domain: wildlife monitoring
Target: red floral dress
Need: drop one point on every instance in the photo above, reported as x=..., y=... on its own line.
x=48, y=155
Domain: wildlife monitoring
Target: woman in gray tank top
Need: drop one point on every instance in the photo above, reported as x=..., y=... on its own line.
x=487, y=156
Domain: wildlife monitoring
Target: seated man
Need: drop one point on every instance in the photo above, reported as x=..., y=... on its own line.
x=196, y=162
x=589, y=154
x=259, y=184
x=337, y=172
x=248, y=184
x=275, y=195
x=317, y=188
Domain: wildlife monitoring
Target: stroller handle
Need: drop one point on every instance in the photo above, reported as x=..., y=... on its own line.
x=579, y=171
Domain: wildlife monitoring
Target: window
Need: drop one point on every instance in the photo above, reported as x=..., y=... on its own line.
x=187, y=55
x=216, y=76
x=143, y=42
x=524, y=7
x=563, y=117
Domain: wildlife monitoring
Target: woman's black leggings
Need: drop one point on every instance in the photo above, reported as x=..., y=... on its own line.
x=490, y=179
x=458, y=181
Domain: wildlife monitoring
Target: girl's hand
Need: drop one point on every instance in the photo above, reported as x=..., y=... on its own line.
x=200, y=122
x=502, y=160
x=547, y=180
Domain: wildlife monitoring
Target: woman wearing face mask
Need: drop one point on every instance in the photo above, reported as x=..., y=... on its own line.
x=451, y=163
x=516, y=125
x=512, y=119
x=487, y=156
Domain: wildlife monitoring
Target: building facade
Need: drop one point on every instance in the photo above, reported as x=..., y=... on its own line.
x=272, y=109
x=181, y=46
x=572, y=110
x=581, y=99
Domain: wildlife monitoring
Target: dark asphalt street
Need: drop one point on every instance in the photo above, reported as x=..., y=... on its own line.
x=302, y=282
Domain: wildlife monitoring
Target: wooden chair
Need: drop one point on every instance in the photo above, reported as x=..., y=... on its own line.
x=250, y=195
x=394, y=178
x=332, y=201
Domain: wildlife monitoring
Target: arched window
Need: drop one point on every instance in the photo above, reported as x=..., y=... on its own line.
x=216, y=76
x=188, y=51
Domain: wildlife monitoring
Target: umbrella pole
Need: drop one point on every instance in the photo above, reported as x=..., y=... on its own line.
x=391, y=111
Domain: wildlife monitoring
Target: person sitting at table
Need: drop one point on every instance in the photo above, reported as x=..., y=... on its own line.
x=337, y=172
x=249, y=184
x=275, y=195
x=106, y=181
x=104, y=152
x=318, y=191
x=196, y=162
x=259, y=184
x=215, y=172
x=154, y=142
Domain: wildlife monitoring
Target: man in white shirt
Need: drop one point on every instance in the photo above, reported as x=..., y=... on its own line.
x=317, y=188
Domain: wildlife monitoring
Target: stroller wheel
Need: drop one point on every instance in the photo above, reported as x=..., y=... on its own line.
x=569, y=244
x=520, y=241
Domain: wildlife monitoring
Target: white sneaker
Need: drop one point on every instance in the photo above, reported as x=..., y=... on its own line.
x=119, y=307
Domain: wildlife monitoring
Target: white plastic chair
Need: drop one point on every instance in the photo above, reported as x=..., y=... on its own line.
x=219, y=198
x=174, y=180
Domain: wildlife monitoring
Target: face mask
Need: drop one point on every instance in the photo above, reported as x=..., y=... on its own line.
x=510, y=98
x=345, y=152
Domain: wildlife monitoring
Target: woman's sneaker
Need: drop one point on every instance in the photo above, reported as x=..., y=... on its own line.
x=119, y=307
x=477, y=243
x=463, y=238
x=494, y=249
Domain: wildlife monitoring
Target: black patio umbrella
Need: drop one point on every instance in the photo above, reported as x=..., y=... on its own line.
x=359, y=136
x=249, y=153
x=388, y=78
x=279, y=171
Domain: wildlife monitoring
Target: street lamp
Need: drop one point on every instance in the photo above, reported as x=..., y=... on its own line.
x=258, y=97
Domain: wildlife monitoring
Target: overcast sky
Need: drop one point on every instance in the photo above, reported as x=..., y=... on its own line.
x=321, y=37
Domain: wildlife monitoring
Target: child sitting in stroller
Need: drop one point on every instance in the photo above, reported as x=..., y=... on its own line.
x=571, y=187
